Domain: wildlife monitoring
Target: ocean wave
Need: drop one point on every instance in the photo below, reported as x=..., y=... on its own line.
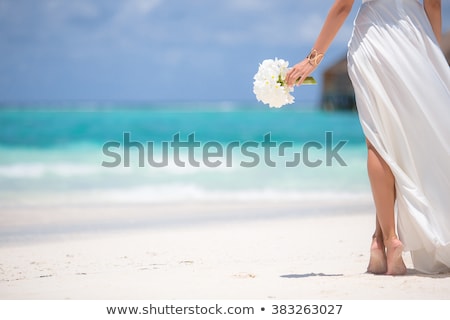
x=178, y=193
x=38, y=170
x=66, y=169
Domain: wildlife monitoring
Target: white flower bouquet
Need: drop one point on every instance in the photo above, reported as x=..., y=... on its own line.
x=269, y=83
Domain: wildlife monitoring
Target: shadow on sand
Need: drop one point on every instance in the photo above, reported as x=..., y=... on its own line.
x=309, y=275
x=409, y=273
x=415, y=273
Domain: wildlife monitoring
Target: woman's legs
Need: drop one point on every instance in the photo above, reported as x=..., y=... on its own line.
x=383, y=190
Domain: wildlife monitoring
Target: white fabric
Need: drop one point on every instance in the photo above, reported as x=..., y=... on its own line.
x=402, y=87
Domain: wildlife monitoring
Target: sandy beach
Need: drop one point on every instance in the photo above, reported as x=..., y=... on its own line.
x=282, y=255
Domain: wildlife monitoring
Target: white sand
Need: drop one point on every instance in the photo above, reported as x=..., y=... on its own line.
x=290, y=257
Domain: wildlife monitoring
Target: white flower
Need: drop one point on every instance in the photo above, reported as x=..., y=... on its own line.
x=269, y=86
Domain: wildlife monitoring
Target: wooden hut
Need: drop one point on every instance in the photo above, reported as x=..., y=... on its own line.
x=337, y=89
x=445, y=45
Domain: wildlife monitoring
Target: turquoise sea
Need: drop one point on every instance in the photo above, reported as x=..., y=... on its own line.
x=50, y=152
x=77, y=155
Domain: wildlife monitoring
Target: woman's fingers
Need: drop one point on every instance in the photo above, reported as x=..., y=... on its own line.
x=298, y=73
x=300, y=80
x=292, y=76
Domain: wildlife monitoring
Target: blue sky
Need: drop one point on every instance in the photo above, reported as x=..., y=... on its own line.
x=155, y=50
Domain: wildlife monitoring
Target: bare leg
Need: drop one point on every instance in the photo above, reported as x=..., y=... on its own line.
x=377, y=262
x=383, y=190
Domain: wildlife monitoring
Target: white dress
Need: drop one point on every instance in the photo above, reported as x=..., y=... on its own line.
x=402, y=87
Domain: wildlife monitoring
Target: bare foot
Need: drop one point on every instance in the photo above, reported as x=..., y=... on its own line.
x=395, y=264
x=377, y=262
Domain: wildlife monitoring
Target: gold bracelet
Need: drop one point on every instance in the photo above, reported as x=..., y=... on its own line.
x=314, y=57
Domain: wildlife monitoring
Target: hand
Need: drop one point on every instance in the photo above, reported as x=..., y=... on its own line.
x=299, y=72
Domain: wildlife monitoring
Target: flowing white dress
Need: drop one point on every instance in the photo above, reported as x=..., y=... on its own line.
x=402, y=86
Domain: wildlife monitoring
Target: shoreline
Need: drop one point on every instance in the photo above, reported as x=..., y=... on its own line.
x=41, y=221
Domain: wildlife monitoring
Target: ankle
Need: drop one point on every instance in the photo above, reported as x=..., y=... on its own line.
x=377, y=241
x=393, y=244
x=393, y=238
